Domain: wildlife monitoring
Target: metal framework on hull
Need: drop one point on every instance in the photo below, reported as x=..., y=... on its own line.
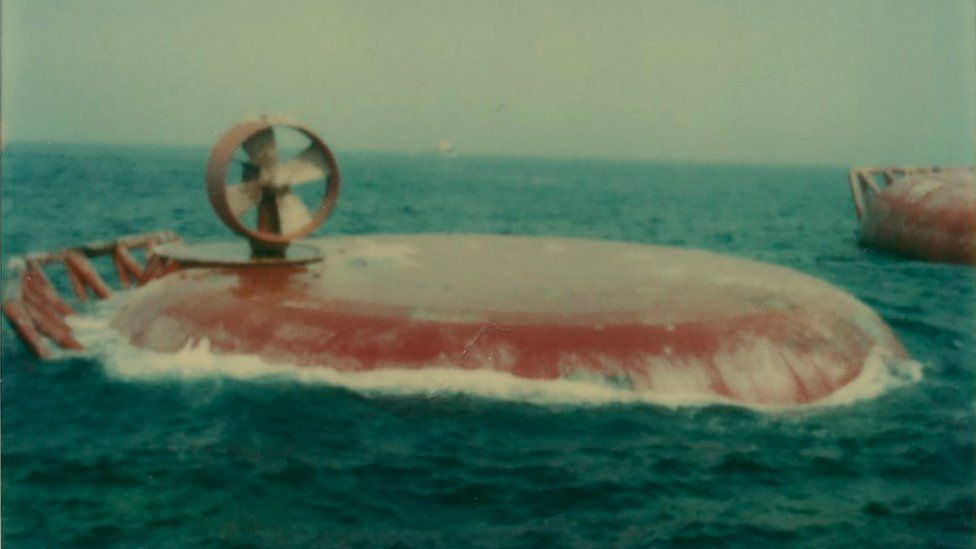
x=37, y=311
x=864, y=182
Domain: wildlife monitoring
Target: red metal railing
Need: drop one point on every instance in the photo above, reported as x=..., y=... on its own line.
x=37, y=311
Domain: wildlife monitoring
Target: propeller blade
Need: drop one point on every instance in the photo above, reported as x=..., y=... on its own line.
x=261, y=148
x=248, y=171
x=292, y=213
x=241, y=198
x=310, y=165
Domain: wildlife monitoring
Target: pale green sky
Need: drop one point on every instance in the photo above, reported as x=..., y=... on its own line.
x=825, y=81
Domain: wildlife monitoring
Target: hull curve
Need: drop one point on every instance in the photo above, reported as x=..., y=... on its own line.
x=644, y=317
x=930, y=216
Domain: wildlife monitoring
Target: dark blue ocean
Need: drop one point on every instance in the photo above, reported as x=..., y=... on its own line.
x=94, y=454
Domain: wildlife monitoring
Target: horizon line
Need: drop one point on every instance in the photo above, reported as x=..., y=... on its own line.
x=472, y=155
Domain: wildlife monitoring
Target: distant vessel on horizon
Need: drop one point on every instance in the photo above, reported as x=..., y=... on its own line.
x=446, y=148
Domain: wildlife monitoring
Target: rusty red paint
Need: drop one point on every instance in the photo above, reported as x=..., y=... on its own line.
x=34, y=281
x=20, y=319
x=310, y=316
x=85, y=276
x=52, y=327
x=126, y=266
x=36, y=310
x=925, y=215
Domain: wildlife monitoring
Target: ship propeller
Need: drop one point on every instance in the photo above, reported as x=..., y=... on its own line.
x=267, y=181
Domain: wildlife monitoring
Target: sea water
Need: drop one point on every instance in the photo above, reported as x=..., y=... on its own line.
x=121, y=446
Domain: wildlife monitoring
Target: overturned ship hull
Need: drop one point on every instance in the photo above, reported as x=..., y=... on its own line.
x=645, y=317
x=927, y=214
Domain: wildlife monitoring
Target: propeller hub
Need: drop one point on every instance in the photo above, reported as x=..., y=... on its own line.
x=278, y=178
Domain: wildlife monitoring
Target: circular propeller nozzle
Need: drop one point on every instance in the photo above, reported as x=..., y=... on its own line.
x=267, y=178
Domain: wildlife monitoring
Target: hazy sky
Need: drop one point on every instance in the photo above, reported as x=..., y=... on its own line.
x=825, y=81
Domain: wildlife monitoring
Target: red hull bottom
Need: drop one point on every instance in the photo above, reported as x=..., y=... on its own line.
x=645, y=317
x=930, y=216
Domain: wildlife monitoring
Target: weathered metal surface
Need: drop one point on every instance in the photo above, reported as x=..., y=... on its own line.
x=101, y=247
x=23, y=325
x=84, y=277
x=234, y=254
x=36, y=310
x=36, y=283
x=282, y=217
x=651, y=318
x=126, y=267
x=925, y=213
